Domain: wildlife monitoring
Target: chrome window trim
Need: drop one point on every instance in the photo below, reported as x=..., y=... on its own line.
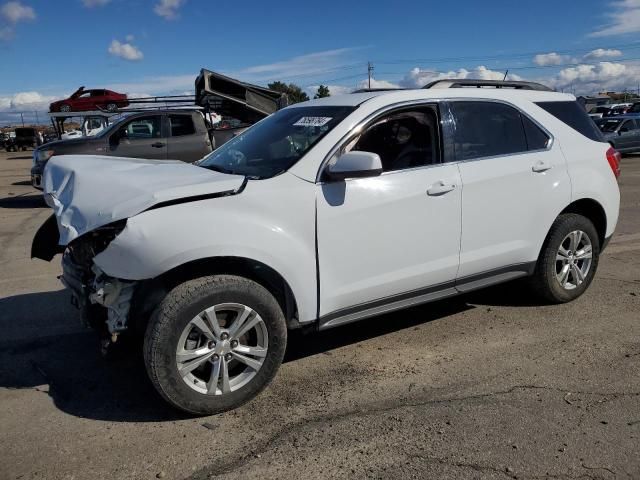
x=357, y=129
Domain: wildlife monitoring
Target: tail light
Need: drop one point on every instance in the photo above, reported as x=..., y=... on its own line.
x=614, y=157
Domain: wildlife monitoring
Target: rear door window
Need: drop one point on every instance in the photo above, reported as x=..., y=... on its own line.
x=144, y=127
x=181, y=125
x=575, y=116
x=487, y=129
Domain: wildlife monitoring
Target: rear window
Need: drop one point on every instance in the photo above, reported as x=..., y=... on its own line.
x=575, y=116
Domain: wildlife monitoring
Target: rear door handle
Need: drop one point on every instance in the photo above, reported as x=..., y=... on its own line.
x=158, y=145
x=541, y=166
x=440, y=188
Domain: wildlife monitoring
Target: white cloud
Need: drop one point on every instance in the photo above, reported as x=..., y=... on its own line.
x=418, y=78
x=129, y=38
x=12, y=13
x=15, y=12
x=26, y=101
x=544, y=59
x=95, y=3
x=604, y=76
x=624, y=19
x=602, y=53
x=377, y=84
x=125, y=50
x=168, y=9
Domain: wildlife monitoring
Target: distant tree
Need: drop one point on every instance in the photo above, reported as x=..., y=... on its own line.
x=293, y=91
x=322, y=92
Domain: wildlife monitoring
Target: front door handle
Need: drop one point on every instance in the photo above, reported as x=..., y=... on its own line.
x=158, y=145
x=440, y=188
x=541, y=166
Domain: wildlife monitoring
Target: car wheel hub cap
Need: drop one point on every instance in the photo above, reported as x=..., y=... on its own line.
x=574, y=259
x=222, y=349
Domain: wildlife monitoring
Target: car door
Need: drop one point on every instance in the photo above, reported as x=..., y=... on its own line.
x=141, y=137
x=627, y=135
x=83, y=102
x=515, y=184
x=391, y=240
x=186, y=143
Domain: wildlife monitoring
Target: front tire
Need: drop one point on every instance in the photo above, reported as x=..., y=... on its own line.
x=568, y=260
x=112, y=107
x=65, y=108
x=214, y=343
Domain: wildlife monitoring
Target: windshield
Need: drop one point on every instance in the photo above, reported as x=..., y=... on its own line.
x=276, y=143
x=113, y=127
x=608, y=125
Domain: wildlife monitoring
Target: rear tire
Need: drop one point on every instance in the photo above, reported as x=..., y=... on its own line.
x=112, y=107
x=201, y=321
x=568, y=260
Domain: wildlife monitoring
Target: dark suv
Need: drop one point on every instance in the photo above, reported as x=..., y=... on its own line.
x=158, y=134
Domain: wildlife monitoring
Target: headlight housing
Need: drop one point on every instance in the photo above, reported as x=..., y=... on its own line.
x=41, y=156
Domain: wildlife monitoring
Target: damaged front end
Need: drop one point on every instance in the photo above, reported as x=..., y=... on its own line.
x=104, y=302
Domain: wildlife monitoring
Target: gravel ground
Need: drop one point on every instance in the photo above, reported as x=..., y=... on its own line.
x=488, y=385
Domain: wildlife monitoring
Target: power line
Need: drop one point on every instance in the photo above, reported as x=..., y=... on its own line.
x=628, y=46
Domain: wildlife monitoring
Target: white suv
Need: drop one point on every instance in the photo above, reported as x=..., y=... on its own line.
x=324, y=213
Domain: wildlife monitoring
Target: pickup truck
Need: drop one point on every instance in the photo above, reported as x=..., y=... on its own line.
x=169, y=134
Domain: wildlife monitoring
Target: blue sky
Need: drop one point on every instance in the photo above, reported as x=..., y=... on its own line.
x=49, y=48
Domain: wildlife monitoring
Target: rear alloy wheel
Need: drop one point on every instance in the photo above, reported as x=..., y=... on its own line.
x=568, y=260
x=214, y=343
x=112, y=107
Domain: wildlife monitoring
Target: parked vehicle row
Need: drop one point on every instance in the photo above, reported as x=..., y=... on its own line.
x=622, y=132
x=324, y=213
x=604, y=111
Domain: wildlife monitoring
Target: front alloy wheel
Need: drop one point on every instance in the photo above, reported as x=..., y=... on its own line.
x=214, y=343
x=222, y=348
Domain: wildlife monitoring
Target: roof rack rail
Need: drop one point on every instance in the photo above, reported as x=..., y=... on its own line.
x=385, y=89
x=464, y=83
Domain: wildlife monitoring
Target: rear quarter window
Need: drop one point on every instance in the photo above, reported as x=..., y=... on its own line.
x=572, y=114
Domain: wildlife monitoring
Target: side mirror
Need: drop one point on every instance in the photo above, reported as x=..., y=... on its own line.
x=355, y=165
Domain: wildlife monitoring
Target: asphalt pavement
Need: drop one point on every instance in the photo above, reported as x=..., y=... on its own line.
x=487, y=385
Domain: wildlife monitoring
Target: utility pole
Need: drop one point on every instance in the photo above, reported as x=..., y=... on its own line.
x=369, y=70
x=37, y=119
x=22, y=118
x=505, y=75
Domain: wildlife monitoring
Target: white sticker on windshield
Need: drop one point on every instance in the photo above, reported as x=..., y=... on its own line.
x=312, y=121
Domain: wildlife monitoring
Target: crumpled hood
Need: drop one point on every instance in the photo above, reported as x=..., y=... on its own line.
x=90, y=191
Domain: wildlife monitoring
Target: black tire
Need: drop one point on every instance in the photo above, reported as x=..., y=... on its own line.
x=544, y=281
x=175, y=312
x=112, y=107
x=65, y=108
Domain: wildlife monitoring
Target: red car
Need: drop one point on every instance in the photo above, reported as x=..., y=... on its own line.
x=85, y=100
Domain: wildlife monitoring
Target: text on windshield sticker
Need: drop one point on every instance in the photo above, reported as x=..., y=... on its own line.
x=312, y=121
